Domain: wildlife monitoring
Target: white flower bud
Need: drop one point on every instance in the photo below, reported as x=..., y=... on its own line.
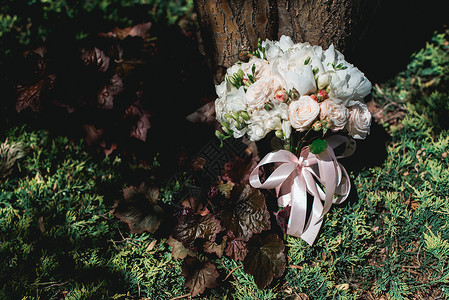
x=323, y=80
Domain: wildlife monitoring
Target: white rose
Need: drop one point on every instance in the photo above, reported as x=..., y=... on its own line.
x=272, y=49
x=359, y=121
x=263, y=121
x=256, y=132
x=220, y=109
x=336, y=113
x=261, y=67
x=272, y=52
x=281, y=110
x=303, y=53
x=234, y=69
x=302, y=80
x=221, y=89
x=348, y=86
x=270, y=119
x=232, y=103
x=285, y=43
x=303, y=112
x=332, y=56
x=236, y=101
x=262, y=91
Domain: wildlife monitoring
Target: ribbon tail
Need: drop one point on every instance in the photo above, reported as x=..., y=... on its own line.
x=298, y=211
x=316, y=216
x=343, y=188
x=328, y=174
x=310, y=234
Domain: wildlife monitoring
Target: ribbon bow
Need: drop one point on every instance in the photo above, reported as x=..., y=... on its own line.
x=295, y=177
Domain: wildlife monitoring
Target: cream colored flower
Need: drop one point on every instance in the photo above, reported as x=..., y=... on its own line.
x=263, y=121
x=303, y=112
x=359, y=121
x=336, y=113
x=261, y=68
x=262, y=91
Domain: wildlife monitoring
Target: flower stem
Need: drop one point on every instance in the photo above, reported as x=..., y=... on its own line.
x=301, y=142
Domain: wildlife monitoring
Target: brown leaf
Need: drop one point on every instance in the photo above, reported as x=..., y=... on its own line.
x=192, y=226
x=140, y=121
x=204, y=114
x=246, y=213
x=93, y=135
x=199, y=275
x=178, y=249
x=282, y=217
x=36, y=81
x=213, y=247
x=198, y=163
x=29, y=96
x=139, y=209
x=141, y=30
x=265, y=259
x=106, y=95
x=236, y=249
x=238, y=170
x=95, y=57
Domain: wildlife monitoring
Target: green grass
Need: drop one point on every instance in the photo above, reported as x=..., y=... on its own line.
x=59, y=237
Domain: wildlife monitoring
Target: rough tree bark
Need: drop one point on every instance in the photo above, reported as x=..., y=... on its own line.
x=230, y=27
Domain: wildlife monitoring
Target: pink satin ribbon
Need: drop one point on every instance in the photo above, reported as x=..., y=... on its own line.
x=319, y=175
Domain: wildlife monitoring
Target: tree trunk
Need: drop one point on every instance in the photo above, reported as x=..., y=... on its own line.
x=229, y=27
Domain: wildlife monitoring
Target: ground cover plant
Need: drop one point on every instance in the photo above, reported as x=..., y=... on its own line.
x=78, y=224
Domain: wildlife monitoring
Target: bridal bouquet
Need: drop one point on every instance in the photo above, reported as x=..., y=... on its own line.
x=305, y=95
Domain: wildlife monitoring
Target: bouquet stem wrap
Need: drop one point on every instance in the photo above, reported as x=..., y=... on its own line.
x=319, y=175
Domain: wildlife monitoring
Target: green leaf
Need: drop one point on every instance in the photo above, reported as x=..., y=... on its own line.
x=246, y=213
x=199, y=275
x=307, y=60
x=318, y=146
x=265, y=259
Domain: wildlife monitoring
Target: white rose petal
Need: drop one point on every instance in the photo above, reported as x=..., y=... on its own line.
x=286, y=128
x=262, y=91
x=285, y=43
x=256, y=132
x=303, y=82
x=236, y=101
x=221, y=89
x=220, y=109
x=323, y=80
x=336, y=113
x=347, y=85
x=359, y=122
x=272, y=52
x=261, y=67
x=303, y=112
x=234, y=69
